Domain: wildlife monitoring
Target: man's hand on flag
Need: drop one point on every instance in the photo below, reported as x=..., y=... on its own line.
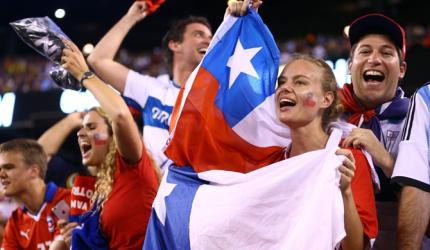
x=137, y=11
x=238, y=7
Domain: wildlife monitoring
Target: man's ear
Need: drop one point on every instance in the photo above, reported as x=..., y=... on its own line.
x=349, y=66
x=403, y=67
x=173, y=46
x=328, y=99
x=35, y=171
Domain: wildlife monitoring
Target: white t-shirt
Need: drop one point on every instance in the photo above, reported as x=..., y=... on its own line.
x=412, y=165
x=156, y=97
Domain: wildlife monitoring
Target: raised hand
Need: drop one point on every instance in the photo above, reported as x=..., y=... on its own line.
x=347, y=170
x=366, y=139
x=238, y=7
x=73, y=60
x=75, y=118
x=137, y=11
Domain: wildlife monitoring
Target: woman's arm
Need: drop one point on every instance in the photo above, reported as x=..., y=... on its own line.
x=125, y=131
x=353, y=226
x=55, y=136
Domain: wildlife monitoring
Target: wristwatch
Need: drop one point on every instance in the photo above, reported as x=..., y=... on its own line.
x=86, y=75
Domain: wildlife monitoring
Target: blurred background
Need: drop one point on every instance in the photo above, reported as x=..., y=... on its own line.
x=31, y=103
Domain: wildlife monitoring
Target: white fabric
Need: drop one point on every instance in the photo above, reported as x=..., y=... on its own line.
x=142, y=88
x=256, y=132
x=7, y=206
x=413, y=158
x=346, y=129
x=391, y=136
x=293, y=204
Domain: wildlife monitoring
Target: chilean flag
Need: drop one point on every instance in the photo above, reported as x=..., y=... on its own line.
x=225, y=116
x=292, y=204
x=223, y=192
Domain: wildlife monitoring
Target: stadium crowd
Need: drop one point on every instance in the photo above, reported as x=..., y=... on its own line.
x=31, y=73
x=254, y=160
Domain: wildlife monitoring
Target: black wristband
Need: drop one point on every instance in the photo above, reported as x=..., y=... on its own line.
x=86, y=75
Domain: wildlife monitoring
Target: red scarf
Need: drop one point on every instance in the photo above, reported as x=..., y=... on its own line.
x=352, y=107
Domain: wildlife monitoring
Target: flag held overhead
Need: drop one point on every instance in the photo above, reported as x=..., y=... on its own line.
x=225, y=116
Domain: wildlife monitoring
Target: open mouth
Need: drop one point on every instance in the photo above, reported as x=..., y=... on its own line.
x=373, y=76
x=286, y=103
x=85, y=148
x=202, y=50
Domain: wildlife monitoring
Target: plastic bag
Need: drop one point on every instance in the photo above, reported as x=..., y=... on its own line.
x=44, y=36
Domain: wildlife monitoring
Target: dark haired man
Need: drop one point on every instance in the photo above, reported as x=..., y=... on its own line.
x=184, y=46
x=22, y=170
x=376, y=104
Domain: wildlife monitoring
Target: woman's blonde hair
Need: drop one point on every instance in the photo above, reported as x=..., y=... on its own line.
x=105, y=173
x=328, y=84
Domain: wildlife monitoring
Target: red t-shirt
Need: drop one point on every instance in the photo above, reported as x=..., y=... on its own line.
x=125, y=214
x=27, y=231
x=82, y=191
x=362, y=191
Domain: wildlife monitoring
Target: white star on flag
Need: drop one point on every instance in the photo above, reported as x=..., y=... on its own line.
x=240, y=61
x=159, y=201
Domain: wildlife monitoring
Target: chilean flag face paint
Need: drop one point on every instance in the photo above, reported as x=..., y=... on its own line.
x=100, y=138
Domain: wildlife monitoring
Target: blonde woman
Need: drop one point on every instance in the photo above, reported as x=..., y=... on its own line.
x=127, y=180
x=307, y=102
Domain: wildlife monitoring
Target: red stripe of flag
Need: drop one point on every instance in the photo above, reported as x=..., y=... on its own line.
x=204, y=140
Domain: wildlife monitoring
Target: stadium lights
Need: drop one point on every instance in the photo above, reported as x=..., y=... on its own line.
x=60, y=13
x=87, y=49
x=346, y=31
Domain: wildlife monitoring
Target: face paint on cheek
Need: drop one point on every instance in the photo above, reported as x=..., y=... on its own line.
x=309, y=101
x=100, y=138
